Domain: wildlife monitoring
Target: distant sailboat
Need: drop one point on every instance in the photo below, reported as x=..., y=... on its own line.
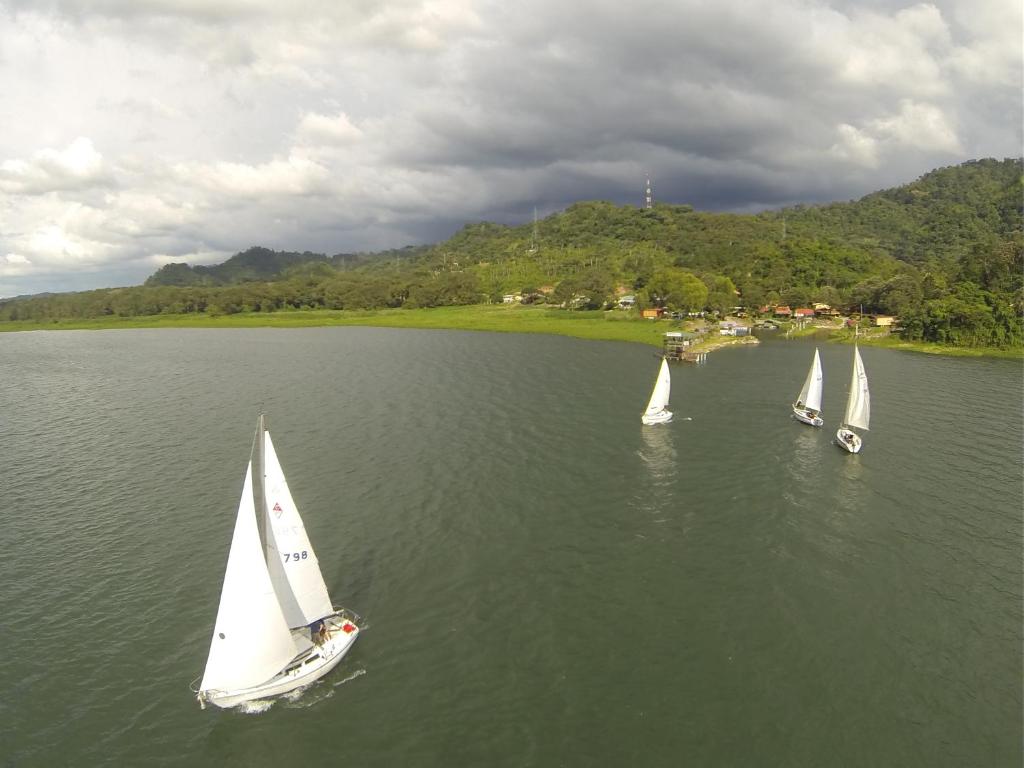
x=276, y=629
x=858, y=408
x=807, y=407
x=656, y=412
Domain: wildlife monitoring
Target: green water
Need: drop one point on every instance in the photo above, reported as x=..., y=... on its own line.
x=545, y=582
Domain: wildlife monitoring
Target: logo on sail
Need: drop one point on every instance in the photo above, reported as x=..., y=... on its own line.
x=277, y=509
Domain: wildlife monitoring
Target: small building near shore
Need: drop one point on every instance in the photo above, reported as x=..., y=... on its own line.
x=884, y=321
x=803, y=312
x=783, y=311
x=652, y=313
x=676, y=343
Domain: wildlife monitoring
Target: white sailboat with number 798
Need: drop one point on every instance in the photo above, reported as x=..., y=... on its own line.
x=276, y=628
x=858, y=408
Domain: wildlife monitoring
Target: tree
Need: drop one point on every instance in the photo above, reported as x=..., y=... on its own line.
x=676, y=289
x=721, y=294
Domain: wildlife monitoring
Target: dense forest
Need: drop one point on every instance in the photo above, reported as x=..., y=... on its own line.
x=945, y=254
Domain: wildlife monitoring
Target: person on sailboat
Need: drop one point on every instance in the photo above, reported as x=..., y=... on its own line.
x=318, y=631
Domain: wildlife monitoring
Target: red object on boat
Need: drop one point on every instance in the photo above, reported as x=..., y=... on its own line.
x=347, y=628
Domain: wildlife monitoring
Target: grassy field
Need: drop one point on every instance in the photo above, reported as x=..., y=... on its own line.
x=607, y=326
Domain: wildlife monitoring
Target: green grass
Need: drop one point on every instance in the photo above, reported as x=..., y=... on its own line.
x=608, y=326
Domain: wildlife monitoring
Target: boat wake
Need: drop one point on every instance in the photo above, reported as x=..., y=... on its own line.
x=255, y=707
x=297, y=698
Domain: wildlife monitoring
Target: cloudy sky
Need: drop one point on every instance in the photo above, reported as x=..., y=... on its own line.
x=139, y=132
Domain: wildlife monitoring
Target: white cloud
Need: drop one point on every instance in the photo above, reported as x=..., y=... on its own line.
x=75, y=167
x=855, y=146
x=294, y=175
x=918, y=126
x=338, y=129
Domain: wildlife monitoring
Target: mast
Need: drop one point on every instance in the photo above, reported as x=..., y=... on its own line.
x=260, y=480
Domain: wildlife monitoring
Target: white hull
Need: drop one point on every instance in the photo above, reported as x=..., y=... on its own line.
x=848, y=440
x=661, y=417
x=807, y=417
x=307, y=669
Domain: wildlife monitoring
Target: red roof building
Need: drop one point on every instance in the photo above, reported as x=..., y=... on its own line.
x=803, y=312
x=783, y=311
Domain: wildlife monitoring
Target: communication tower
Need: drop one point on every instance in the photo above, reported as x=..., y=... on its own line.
x=649, y=198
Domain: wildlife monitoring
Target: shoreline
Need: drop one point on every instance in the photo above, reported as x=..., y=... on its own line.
x=595, y=325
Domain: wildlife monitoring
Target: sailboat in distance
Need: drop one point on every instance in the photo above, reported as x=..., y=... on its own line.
x=657, y=412
x=276, y=629
x=807, y=407
x=858, y=408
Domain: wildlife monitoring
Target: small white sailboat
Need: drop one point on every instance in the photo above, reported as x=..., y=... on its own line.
x=858, y=408
x=807, y=407
x=276, y=628
x=656, y=412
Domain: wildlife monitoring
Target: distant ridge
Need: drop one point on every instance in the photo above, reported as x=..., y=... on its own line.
x=944, y=254
x=933, y=219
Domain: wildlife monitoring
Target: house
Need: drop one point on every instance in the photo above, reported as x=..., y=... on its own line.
x=783, y=311
x=511, y=298
x=653, y=313
x=825, y=310
x=627, y=302
x=803, y=312
x=675, y=344
x=884, y=321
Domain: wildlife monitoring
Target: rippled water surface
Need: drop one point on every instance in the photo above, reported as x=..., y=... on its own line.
x=545, y=582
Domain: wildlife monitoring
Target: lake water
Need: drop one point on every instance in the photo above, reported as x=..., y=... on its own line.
x=545, y=582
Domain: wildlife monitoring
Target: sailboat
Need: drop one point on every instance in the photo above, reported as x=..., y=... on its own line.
x=807, y=407
x=276, y=628
x=858, y=408
x=656, y=412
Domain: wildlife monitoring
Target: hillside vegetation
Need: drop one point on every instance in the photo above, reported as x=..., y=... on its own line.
x=945, y=253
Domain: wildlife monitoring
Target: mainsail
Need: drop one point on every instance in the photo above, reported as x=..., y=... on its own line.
x=662, y=390
x=810, y=395
x=251, y=641
x=294, y=569
x=858, y=403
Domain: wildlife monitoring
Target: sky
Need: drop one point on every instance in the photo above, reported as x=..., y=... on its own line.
x=142, y=132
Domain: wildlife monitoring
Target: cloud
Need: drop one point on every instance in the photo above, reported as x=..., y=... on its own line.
x=338, y=129
x=142, y=130
x=77, y=166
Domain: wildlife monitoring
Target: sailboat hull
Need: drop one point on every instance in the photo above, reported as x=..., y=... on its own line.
x=661, y=417
x=342, y=635
x=807, y=417
x=848, y=440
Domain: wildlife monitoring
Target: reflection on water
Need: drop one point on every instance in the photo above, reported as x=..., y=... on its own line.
x=807, y=447
x=659, y=452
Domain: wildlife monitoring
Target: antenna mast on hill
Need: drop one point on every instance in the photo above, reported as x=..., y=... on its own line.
x=649, y=198
x=533, y=238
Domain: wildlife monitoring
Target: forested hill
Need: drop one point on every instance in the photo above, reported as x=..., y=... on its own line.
x=945, y=253
x=263, y=264
x=931, y=223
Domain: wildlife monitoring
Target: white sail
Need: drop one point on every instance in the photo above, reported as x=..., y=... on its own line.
x=810, y=395
x=251, y=641
x=294, y=569
x=858, y=403
x=662, y=390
